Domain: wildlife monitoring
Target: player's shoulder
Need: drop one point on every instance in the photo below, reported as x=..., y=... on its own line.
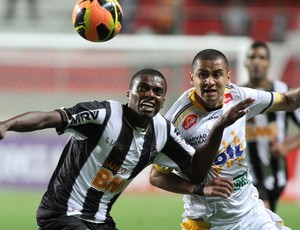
x=180, y=104
x=233, y=91
x=90, y=105
x=159, y=117
x=105, y=105
x=161, y=123
x=230, y=88
x=241, y=90
x=185, y=96
x=113, y=102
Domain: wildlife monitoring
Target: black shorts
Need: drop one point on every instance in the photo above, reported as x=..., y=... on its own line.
x=74, y=223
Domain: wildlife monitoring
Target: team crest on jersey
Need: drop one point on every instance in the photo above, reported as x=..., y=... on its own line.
x=227, y=97
x=189, y=121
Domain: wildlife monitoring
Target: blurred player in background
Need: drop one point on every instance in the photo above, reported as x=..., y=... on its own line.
x=193, y=114
x=266, y=133
x=110, y=144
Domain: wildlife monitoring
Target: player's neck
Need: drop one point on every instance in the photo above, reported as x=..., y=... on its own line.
x=134, y=120
x=209, y=107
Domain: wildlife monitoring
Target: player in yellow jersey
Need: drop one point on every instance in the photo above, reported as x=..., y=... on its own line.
x=194, y=113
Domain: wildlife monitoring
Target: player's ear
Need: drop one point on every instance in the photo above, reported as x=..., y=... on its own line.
x=191, y=78
x=228, y=77
x=163, y=103
x=127, y=94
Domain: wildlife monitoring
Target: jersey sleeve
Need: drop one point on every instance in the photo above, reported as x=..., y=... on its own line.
x=83, y=118
x=263, y=100
x=163, y=169
x=176, y=154
x=177, y=106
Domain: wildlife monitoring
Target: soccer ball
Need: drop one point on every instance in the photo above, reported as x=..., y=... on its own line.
x=97, y=20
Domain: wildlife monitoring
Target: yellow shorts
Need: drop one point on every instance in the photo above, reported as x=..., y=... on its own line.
x=195, y=225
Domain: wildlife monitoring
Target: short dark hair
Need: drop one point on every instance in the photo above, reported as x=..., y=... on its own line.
x=209, y=54
x=152, y=72
x=258, y=44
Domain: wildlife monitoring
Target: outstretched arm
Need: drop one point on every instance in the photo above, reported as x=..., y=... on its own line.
x=171, y=182
x=288, y=101
x=204, y=156
x=31, y=121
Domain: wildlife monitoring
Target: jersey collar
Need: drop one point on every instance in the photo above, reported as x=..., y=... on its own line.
x=194, y=101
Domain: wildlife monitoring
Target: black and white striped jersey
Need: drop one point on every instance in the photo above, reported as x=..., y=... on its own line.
x=267, y=170
x=102, y=156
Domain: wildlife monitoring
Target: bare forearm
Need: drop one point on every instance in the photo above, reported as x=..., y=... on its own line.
x=293, y=99
x=31, y=121
x=204, y=157
x=289, y=101
x=170, y=182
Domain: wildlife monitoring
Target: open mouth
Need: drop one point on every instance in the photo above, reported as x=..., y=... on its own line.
x=146, y=105
x=210, y=92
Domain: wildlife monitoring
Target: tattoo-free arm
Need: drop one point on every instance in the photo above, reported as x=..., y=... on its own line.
x=31, y=121
x=288, y=101
x=221, y=187
x=170, y=182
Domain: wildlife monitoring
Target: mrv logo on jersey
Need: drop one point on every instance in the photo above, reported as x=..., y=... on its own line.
x=84, y=116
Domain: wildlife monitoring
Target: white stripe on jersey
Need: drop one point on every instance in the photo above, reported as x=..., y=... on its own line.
x=105, y=154
x=260, y=131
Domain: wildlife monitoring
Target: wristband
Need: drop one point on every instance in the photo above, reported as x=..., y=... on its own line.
x=199, y=189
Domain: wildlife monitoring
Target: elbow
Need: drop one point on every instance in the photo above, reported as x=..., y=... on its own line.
x=153, y=179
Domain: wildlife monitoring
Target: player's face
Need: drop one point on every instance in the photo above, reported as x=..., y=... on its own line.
x=257, y=64
x=147, y=95
x=210, y=78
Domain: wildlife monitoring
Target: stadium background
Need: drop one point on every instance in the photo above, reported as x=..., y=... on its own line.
x=45, y=65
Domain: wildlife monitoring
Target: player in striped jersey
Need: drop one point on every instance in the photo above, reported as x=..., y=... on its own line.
x=110, y=144
x=194, y=113
x=266, y=133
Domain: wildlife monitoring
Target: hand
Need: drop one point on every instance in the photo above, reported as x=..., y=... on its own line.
x=235, y=112
x=277, y=149
x=219, y=186
x=2, y=130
